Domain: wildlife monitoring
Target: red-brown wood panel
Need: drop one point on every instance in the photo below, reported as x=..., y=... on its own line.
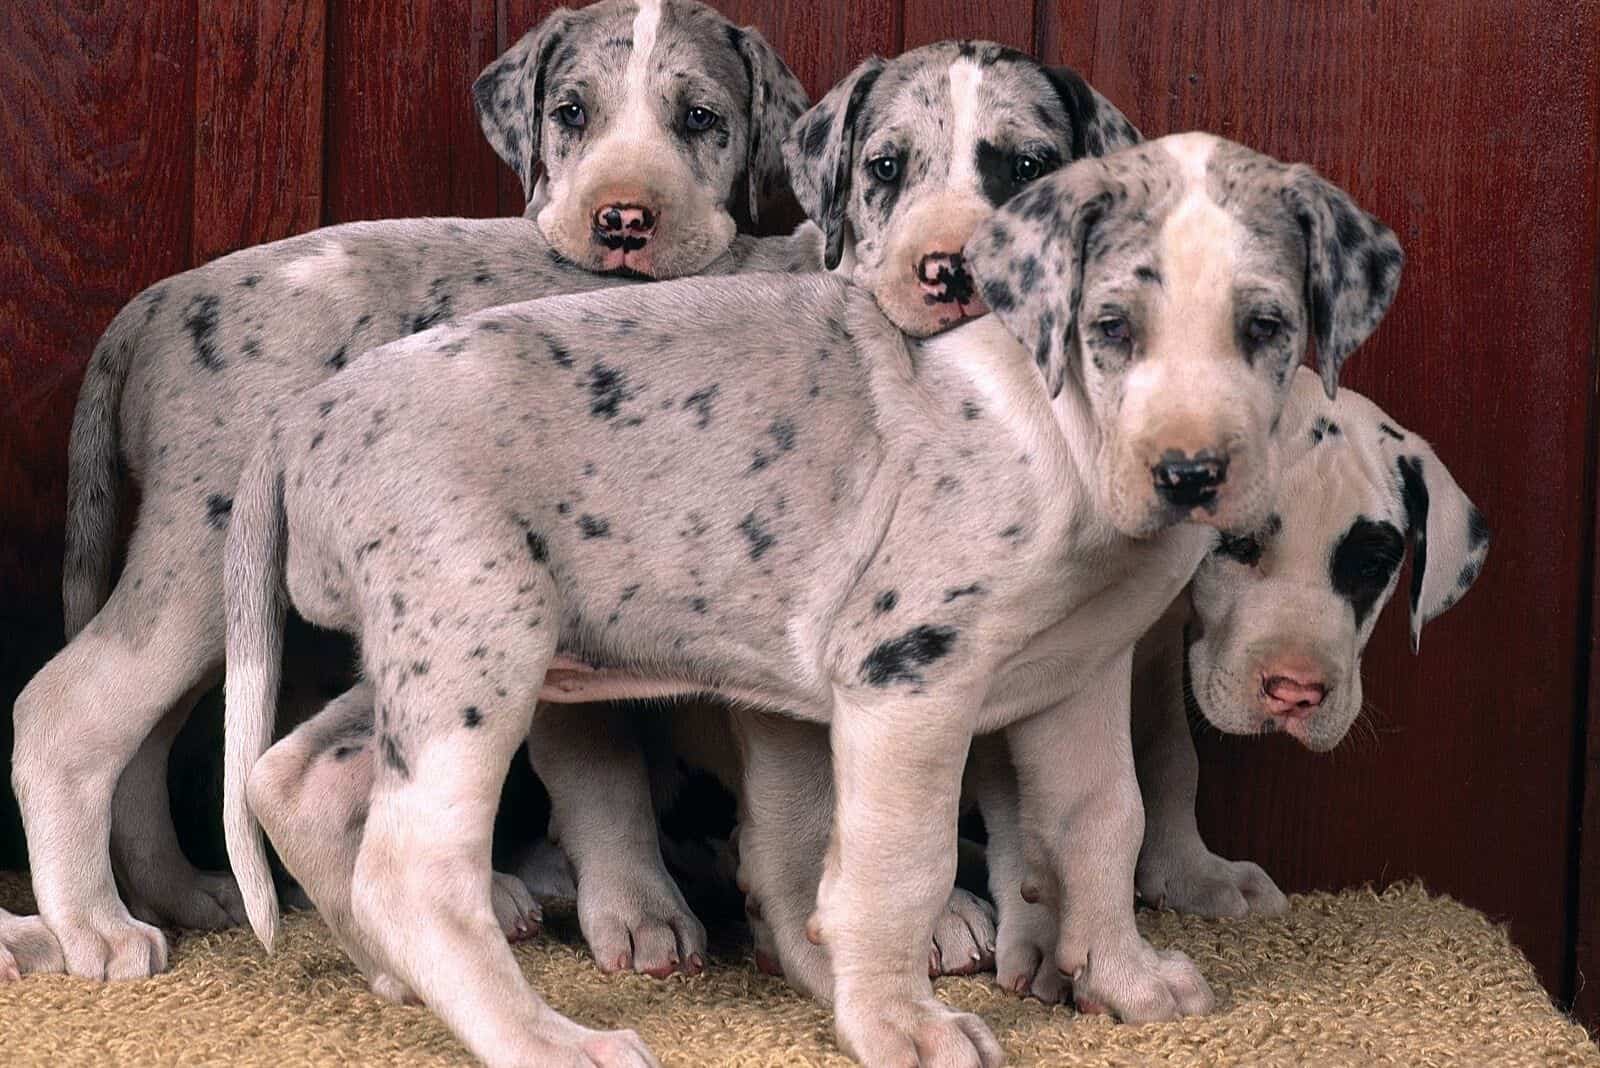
x=97, y=126
x=1460, y=772
x=821, y=43
x=402, y=136
x=938, y=20
x=258, y=124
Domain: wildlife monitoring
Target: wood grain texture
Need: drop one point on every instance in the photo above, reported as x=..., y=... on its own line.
x=1460, y=771
x=97, y=167
x=402, y=136
x=258, y=124
x=938, y=20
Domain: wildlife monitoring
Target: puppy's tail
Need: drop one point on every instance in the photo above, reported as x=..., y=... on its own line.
x=94, y=469
x=256, y=601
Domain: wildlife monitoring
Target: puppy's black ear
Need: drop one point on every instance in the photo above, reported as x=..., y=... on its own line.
x=509, y=96
x=820, y=152
x=1449, y=536
x=1098, y=128
x=1353, y=264
x=1028, y=258
x=777, y=99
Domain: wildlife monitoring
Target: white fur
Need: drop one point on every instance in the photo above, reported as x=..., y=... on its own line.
x=965, y=78
x=328, y=266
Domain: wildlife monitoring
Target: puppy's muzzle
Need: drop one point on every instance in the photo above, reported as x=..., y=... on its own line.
x=1190, y=482
x=624, y=227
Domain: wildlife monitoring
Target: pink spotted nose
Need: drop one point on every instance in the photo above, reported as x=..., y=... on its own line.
x=626, y=226
x=1292, y=692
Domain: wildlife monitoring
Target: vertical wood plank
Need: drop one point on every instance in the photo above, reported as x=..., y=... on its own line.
x=1460, y=771
x=1010, y=23
x=258, y=124
x=402, y=137
x=820, y=42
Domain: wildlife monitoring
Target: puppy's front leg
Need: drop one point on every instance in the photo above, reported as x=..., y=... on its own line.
x=897, y=776
x=1080, y=803
x=632, y=913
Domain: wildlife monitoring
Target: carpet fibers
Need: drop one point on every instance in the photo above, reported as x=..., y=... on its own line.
x=1357, y=978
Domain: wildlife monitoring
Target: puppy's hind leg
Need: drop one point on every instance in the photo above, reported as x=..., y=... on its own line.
x=448, y=724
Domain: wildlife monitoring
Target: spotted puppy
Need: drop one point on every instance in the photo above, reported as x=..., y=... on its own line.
x=966, y=124
x=1270, y=632
x=583, y=504
x=658, y=113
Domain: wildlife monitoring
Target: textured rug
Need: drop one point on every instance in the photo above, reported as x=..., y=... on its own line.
x=1357, y=978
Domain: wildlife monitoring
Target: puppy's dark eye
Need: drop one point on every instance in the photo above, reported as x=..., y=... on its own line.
x=1262, y=329
x=1244, y=550
x=572, y=115
x=1026, y=169
x=1114, y=329
x=700, y=119
x=885, y=169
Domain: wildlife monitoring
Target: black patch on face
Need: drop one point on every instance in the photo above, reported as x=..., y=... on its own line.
x=201, y=318
x=537, y=547
x=1389, y=431
x=218, y=508
x=1414, y=495
x=608, y=388
x=958, y=592
x=593, y=526
x=1363, y=563
x=886, y=601
x=757, y=534
x=898, y=659
x=395, y=760
x=471, y=717
x=701, y=403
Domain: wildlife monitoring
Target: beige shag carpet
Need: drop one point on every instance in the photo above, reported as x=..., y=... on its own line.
x=1357, y=978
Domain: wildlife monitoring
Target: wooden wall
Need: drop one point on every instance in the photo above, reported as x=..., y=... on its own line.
x=140, y=139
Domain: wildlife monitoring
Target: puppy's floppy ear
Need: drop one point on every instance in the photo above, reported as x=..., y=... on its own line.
x=820, y=151
x=1449, y=536
x=777, y=99
x=1353, y=266
x=509, y=96
x=1098, y=128
x=1028, y=258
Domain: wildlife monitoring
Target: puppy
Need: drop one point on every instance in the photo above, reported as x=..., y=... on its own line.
x=592, y=507
x=651, y=122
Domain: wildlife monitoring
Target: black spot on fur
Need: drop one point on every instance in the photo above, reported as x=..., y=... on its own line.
x=250, y=281
x=898, y=659
x=218, y=509
x=593, y=526
x=394, y=759
x=1478, y=532
x=363, y=550
x=338, y=358
x=756, y=533
x=420, y=667
x=698, y=605
x=701, y=403
x=608, y=388
x=956, y=593
x=201, y=319
x=471, y=717
x=440, y=306
x=1363, y=563
x=1389, y=431
x=1414, y=495
x=537, y=547
x=886, y=601
x=1012, y=533
x=970, y=410
x=398, y=603
x=324, y=408
x=1323, y=428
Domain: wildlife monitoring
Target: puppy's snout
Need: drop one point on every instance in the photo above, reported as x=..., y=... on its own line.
x=1292, y=692
x=1189, y=481
x=624, y=225
x=945, y=279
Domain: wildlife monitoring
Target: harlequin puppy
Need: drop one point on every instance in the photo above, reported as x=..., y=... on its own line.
x=589, y=504
x=639, y=130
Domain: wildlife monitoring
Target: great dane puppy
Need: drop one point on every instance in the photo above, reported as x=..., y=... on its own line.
x=651, y=122
x=965, y=124
x=1063, y=458
x=1270, y=632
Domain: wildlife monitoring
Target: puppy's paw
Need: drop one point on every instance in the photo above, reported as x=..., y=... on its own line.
x=638, y=921
x=546, y=872
x=1025, y=954
x=114, y=946
x=963, y=936
x=1136, y=982
x=919, y=1033
x=27, y=948
x=515, y=910
x=1204, y=884
x=191, y=899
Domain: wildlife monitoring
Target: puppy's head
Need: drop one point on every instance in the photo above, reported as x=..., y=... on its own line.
x=639, y=128
x=901, y=161
x=1281, y=614
x=1175, y=285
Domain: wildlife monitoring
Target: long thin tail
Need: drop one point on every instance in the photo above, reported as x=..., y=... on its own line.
x=93, y=471
x=256, y=602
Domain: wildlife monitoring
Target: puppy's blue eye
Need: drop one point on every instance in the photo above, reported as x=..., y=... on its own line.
x=700, y=119
x=1026, y=169
x=1114, y=329
x=572, y=115
x=885, y=169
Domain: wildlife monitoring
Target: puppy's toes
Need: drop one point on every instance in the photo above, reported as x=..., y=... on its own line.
x=963, y=936
x=618, y=1049
x=515, y=910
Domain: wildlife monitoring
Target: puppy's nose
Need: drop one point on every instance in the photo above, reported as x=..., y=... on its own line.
x=1292, y=694
x=1189, y=481
x=624, y=225
x=945, y=279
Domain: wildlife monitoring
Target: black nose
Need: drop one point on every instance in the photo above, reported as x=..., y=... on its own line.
x=1189, y=482
x=944, y=278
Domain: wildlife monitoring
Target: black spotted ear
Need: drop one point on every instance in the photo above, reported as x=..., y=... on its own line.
x=1098, y=128
x=1028, y=259
x=509, y=96
x=777, y=99
x=1449, y=536
x=1353, y=266
x=820, y=153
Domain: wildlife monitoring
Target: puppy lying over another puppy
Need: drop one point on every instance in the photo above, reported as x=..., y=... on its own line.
x=1063, y=459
